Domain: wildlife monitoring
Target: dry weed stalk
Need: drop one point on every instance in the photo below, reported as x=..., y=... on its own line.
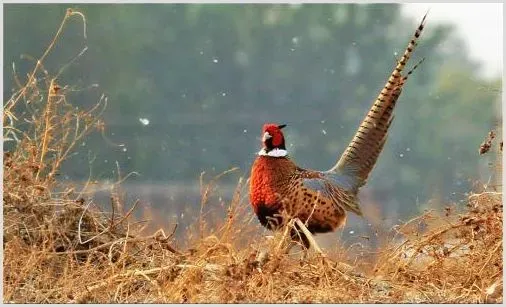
x=48, y=234
x=458, y=256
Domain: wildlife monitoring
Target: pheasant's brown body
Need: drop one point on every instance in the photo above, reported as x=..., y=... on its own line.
x=278, y=184
x=280, y=189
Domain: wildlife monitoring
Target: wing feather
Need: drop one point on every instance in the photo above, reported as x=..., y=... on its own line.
x=336, y=190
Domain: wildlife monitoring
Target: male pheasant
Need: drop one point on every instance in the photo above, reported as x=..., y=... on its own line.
x=320, y=199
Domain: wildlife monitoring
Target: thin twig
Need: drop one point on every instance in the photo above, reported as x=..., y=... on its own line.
x=309, y=237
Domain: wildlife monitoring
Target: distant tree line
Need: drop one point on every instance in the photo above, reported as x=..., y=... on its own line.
x=189, y=86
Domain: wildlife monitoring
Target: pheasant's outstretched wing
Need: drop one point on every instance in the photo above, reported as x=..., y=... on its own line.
x=361, y=154
x=335, y=189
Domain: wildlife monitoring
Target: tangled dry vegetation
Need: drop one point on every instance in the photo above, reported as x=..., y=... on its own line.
x=59, y=248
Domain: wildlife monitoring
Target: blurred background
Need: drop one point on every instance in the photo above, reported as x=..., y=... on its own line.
x=189, y=86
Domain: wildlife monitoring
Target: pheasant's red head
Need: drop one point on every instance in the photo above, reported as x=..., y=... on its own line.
x=272, y=137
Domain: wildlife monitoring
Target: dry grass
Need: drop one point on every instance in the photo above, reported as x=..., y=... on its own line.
x=58, y=247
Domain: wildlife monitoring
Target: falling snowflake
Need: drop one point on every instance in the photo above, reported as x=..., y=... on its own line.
x=144, y=121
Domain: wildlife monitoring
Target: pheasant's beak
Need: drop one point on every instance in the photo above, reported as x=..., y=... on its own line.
x=282, y=126
x=266, y=136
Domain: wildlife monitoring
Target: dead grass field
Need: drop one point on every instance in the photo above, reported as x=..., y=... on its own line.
x=58, y=248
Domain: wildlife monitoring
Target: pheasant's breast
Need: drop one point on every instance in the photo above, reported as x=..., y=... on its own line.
x=268, y=184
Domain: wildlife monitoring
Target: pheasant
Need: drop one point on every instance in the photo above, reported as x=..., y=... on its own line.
x=279, y=189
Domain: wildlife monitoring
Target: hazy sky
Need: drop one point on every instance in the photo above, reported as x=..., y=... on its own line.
x=480, y=24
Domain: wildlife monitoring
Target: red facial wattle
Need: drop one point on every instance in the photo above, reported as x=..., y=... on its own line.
x=277, y=138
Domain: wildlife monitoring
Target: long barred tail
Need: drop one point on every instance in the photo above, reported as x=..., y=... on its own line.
x=360, y=156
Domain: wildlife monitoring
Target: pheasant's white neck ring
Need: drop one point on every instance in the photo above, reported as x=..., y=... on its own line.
x=276, y=152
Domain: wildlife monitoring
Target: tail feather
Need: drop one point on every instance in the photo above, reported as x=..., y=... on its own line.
x=361, y=154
